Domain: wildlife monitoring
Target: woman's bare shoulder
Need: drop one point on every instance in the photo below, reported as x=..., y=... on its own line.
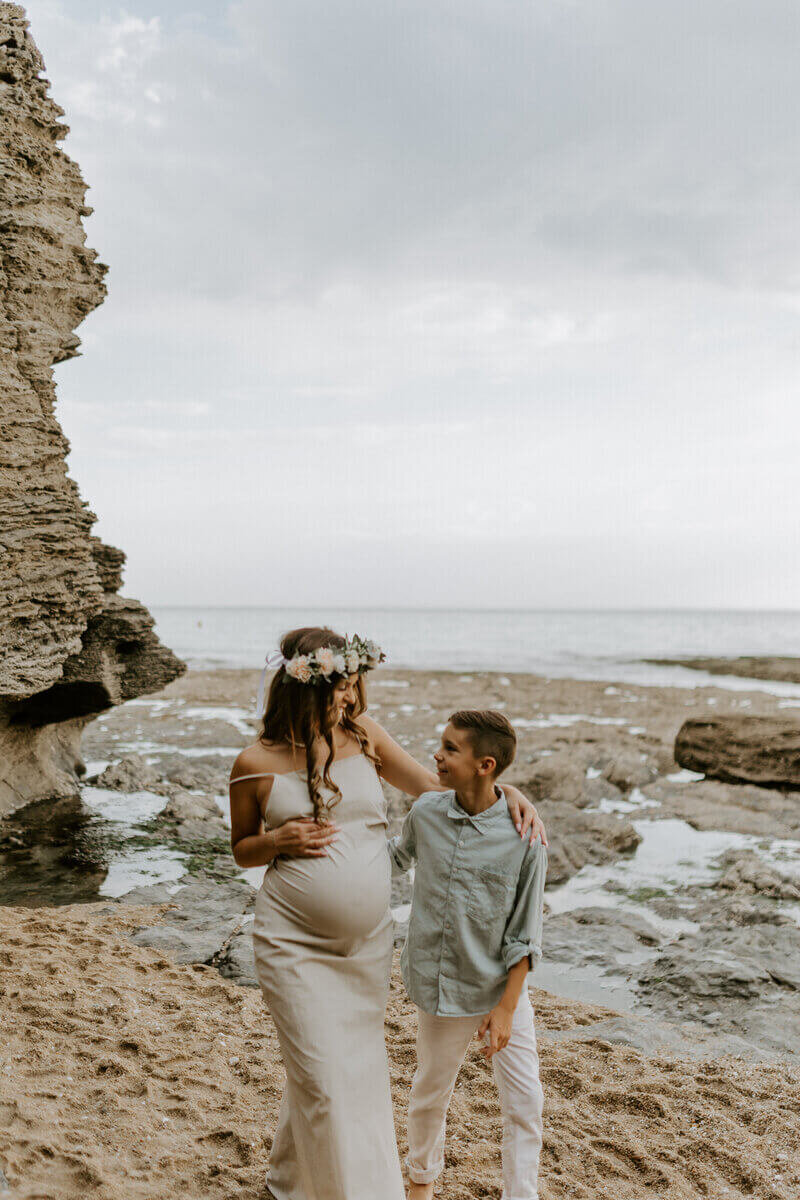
x=368, y=725
x=257, y=759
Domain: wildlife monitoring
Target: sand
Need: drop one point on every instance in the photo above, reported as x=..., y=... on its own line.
x=124, y=1075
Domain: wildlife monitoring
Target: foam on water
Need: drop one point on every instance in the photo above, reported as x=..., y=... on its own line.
x=155, y=750
x=563, y=720
x=239, y=718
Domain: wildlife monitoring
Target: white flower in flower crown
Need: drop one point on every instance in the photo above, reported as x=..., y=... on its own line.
x=339, y=664
x=353, y=662
x=325, y=660
x=373, y=653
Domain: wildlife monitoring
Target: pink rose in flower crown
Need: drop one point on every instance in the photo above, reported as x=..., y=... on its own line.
x=299, y=668
x=326, y=660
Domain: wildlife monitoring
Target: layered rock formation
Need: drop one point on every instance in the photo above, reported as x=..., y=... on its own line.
x=71, y=646
x=761, y=750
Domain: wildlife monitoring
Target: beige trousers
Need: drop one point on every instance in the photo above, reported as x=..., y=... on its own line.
x=442, y=1044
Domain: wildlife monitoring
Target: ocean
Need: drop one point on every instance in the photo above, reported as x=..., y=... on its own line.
x=610, y=645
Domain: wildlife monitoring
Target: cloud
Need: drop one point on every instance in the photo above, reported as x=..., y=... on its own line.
x=545, y=254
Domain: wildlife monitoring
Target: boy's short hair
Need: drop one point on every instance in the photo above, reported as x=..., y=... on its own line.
x=490, y=734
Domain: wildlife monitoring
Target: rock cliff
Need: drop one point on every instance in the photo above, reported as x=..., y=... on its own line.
x=70, y=646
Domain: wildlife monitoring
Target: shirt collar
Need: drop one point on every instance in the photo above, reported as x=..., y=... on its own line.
x=479, y=820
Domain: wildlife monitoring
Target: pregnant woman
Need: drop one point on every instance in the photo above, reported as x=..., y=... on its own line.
x=306, y=802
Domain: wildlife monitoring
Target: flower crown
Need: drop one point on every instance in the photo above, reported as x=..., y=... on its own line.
x=355, y=657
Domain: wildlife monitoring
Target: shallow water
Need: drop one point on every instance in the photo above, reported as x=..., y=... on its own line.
x=671, y=855
x=79, y=850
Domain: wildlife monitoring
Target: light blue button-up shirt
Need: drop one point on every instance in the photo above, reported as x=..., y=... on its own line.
x=477, y=903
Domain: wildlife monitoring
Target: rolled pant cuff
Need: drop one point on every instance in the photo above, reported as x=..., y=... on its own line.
x=417, y=1175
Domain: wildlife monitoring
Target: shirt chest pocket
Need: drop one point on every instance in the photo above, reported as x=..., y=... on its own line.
x=490, y=898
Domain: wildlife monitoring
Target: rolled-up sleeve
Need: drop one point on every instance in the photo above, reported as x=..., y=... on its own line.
x=523, y=933
x=403, y=848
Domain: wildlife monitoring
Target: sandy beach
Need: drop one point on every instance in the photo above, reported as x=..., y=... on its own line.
x=126, y=1075
x=130, y=1072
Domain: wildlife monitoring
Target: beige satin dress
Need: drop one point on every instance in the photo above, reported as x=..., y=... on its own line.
x=323, y=947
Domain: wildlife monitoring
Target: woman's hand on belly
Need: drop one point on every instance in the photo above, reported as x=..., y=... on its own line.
x=303, y=837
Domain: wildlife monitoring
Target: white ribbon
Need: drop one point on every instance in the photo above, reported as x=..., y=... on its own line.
x=273, y=660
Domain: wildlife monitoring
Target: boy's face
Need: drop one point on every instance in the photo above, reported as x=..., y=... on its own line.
x=456, y=764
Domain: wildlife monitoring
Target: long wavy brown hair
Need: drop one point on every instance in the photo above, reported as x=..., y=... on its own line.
x=301, y=714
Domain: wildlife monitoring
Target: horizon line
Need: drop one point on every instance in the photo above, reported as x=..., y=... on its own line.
x=464, y=609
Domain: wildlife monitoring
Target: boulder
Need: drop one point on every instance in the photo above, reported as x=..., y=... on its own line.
x=184, y=806
x=72, y=647
x=738, y=749
x=578, y=838
x=131, y=774
x=556, y=777
x=597, y=790
x=629, y=769
x=205, y=830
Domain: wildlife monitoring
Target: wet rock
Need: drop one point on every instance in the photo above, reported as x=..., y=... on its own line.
x=237, y=961
x=131, y=774
x=680, y=971
x=656, y=1038
x=745, y=872
x=760, y=750
x=578, y=838
x=717, y=963
x=557, y=778
x=154, y=893
x=729, y=910
x=209, y=772
x=205, y=916
x=195, y=818
x=739, y=808
x=783, y=669
x=183, y=806
x=202, y=831
x=599, y=936
x=629, y=769
x=597, y=790
x=200, y=776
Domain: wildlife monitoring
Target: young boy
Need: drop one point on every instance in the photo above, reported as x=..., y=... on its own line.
x=473, y=935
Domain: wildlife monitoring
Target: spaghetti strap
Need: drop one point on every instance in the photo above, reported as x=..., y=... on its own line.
x=258, y=775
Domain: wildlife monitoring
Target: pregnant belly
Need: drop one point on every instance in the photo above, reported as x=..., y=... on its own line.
x=345, y=895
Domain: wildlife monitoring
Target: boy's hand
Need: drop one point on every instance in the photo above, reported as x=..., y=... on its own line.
x=498, y=1025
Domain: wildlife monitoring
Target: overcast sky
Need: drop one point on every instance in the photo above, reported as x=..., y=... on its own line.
x=444, y=302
